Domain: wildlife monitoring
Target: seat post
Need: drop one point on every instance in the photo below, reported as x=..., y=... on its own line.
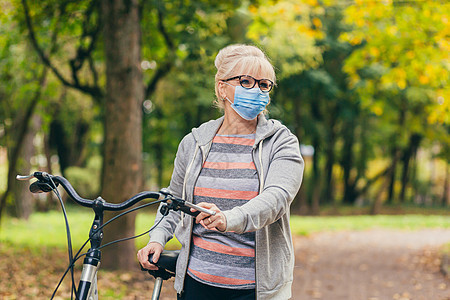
x=157, y=288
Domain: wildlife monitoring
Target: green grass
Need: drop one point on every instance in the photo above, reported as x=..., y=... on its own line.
x=386, y=209
x=303, y=225
x=48, y=229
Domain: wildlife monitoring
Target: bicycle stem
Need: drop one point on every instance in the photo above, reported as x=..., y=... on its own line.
x=91, y=262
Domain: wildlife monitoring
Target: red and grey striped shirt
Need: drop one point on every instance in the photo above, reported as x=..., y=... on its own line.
x=228, y=179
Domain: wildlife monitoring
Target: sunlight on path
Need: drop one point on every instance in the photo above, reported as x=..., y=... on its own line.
x=371, y=265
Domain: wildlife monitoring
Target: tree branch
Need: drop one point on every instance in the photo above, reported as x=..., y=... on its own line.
x=165, y=67
x=93, y=91
x=163, y=30
x=84, y=53
x=159, y=74
x=383, y=173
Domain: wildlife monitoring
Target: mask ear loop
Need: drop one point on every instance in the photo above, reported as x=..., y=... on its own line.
x=226, y=98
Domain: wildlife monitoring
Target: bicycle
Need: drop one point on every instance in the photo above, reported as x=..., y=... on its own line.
x=87, y=286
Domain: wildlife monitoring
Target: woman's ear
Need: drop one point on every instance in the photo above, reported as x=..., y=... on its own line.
x=222, y=93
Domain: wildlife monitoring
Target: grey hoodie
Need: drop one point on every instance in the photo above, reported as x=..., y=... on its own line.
x=276, y=154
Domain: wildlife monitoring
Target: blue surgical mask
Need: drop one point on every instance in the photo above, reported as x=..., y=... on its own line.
x=248, y=103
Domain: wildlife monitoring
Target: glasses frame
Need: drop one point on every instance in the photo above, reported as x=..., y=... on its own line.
x=256, y=81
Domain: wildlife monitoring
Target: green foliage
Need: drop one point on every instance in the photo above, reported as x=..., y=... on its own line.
x=402, y=64
x=86, y=180
x=19, y=73
x=183, y=98
x=287, y=30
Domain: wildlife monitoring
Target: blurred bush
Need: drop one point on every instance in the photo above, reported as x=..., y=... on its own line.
x=86, y=181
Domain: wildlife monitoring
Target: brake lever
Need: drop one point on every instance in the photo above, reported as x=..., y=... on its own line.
x=183, y=205
x=43, y=183
x=24, y=177
x=38, y=175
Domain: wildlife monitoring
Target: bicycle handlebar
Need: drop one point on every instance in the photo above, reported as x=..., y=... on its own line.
x=47, y=182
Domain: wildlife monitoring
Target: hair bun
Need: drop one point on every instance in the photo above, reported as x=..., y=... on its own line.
x=225, y=53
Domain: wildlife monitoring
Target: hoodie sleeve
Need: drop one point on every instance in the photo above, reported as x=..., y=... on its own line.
x=165, y=230
x=283, y=177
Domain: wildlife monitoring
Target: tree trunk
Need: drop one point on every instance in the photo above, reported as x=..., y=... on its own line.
x=378, y=202
x=158, y=147
x=300, y=203
x=414, y=142
x=347, y=163
x=446, y=193
x=391, y=187
x=122, y=166
x=350, y=176
x=23, y=199
x=71, y=149
x=363, y=157
x=18, y=136
x=395, y=148
x=316, y=185
x=330, y=157
x=47, y=202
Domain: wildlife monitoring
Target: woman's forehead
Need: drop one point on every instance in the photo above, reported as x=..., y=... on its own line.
x=256, y=73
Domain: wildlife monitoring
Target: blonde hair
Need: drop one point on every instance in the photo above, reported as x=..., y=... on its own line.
x=239, y=59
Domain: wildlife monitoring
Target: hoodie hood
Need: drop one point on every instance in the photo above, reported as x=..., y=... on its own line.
x=204, y=134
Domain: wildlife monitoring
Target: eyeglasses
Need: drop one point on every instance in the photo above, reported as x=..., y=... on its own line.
x=248, y=82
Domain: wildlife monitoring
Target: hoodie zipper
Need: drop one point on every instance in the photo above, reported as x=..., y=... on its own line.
x=184, y=194
x=188, y=170
x=261, y=185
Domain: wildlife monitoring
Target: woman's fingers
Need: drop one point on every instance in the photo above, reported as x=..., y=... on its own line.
x=218, y=221
x=143, y=255
x=203, y=215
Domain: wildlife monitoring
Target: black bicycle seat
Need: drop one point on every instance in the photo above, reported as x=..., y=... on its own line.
x=166, y=264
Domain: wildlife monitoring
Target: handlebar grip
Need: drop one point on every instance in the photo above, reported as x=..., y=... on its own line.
x=188, y=211
x=40, y=187
x=167, y=260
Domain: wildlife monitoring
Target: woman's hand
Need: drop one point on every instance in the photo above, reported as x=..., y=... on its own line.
x=218, y=221
x=143, y=254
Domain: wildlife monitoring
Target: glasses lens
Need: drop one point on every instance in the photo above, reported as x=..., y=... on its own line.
x=265, y=85
x=247, y=82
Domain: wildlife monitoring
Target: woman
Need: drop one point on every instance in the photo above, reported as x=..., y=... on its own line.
x=247, y=169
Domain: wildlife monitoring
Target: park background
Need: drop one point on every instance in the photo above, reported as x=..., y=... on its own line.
x=102, y=92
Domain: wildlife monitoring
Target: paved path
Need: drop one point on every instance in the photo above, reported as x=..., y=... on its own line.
x=371, y=265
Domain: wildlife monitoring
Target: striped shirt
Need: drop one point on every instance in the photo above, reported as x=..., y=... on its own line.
x=228, y=179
